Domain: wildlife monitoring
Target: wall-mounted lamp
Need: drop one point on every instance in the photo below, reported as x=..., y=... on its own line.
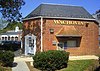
x=87, y=24
x=51, y=30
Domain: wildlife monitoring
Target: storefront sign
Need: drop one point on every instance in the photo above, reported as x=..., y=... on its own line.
x=63, y=22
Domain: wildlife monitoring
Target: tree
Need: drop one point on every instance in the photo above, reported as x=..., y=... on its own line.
x=10, y=9
x=3, y=24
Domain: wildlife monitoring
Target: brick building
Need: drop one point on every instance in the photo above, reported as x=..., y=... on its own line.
x=60, y=27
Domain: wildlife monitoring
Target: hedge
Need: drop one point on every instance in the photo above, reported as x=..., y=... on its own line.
x=51, y=60
x=7, y=58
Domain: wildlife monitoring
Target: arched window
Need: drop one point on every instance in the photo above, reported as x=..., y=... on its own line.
x=2, y=38
x=5, y=38
x=16, y=38
x=12, y=38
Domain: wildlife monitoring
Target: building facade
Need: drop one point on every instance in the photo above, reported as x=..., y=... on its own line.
x=60, y=27
x=13, y=35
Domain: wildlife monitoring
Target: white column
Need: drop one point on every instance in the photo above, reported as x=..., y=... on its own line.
x=41, y=34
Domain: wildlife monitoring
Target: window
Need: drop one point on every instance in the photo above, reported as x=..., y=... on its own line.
x=65, y=45
x=12, y=38
x=71, y=43
x=67, y=42
x=5, y=38
x=2, y=38
x=16, y=38
x=30, y=43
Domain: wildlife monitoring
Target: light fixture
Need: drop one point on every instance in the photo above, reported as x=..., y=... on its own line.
x=51, y=30
x=87, y=24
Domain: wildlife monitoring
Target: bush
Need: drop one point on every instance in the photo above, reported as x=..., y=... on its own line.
x=51, y=60
x=1, y=52
x=7, y=58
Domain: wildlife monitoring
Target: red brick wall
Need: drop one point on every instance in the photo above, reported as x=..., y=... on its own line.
x=33, y=27
x=89, y=40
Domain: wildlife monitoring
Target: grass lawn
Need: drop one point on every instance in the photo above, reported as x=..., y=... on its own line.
x=76, y=65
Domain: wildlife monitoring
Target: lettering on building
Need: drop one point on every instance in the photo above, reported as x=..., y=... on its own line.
x=62, y=22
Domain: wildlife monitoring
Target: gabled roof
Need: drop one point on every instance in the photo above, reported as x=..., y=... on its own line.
x=51, y=10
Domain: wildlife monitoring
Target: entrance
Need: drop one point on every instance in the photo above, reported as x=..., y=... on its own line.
x=30, y=44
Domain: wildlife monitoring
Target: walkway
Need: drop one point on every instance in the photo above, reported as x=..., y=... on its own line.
x=85, y=57
x=20, y=65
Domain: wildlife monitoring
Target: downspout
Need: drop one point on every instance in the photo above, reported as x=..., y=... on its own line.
x=41, y=34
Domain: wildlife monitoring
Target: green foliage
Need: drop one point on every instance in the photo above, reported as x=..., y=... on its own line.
x=10, y=46
x=1, y=55
x=10, y=9
x=7, y=58
x=11, y=26
x=51, y=60
x=81, y=65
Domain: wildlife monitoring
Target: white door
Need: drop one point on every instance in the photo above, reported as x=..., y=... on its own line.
x=30, y=44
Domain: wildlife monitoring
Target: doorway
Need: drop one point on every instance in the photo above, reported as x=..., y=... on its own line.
x=30, y=44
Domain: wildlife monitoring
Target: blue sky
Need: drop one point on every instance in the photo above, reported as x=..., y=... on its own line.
x=90, y=5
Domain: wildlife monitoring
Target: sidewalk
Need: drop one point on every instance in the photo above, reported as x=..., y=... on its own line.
x=21, y=66
x=85, y=57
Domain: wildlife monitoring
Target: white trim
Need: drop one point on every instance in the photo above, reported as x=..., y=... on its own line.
x=41, y=34
x=31, y=18
x=84, y=19
x=58, y=18
x=69, y=18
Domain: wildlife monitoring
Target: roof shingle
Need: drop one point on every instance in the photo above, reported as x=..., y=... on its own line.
x=50, y=10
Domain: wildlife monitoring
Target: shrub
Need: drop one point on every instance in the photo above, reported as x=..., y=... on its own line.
x=7, y=58
x=51, y=60
x=1, y=55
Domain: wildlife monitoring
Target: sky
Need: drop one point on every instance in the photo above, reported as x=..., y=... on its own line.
x=90, y=5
